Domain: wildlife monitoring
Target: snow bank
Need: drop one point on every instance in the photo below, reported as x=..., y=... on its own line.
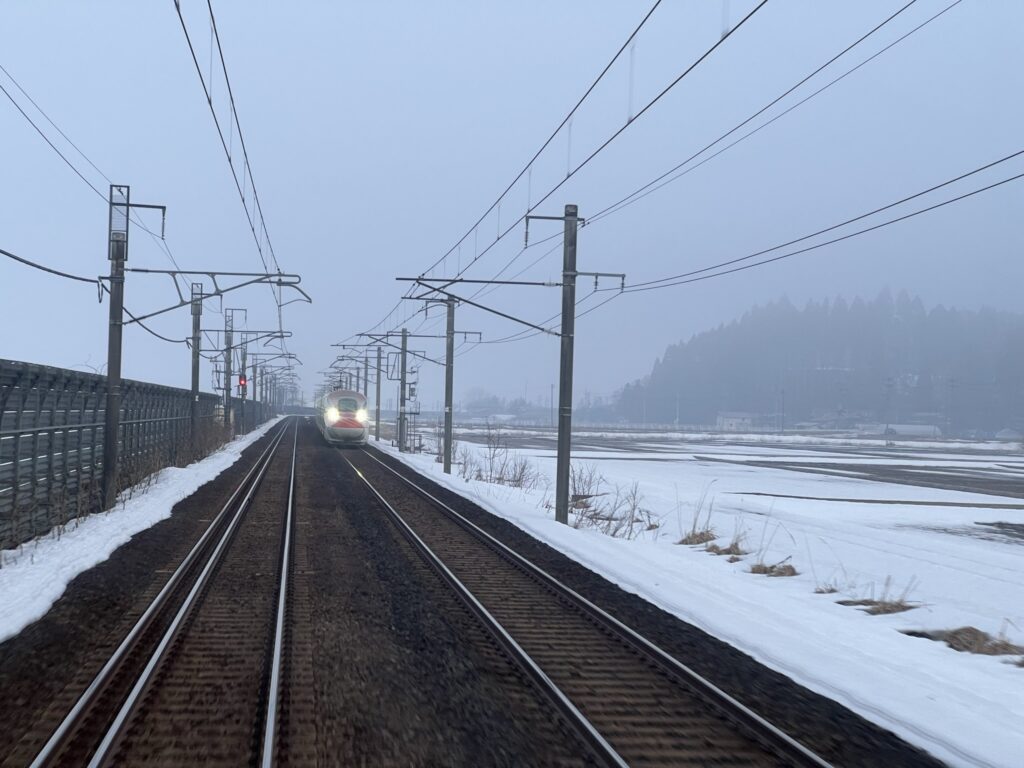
x=965, y=709
x=36, y=574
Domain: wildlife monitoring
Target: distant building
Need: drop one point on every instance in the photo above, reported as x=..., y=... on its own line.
x=735, y=421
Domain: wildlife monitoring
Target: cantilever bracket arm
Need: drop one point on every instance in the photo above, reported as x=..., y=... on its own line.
x=382, y=339
x=280, y=279
x=488, y=309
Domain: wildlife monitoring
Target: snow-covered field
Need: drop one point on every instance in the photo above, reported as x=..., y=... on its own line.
x=966, y=709
x=36, y=574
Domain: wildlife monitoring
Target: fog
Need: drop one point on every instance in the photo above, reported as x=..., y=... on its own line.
x=379, y=133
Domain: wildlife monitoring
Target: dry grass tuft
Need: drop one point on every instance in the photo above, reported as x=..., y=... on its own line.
x=971, y=640
x=735, y=559
x=826, y=589
x=880, y=607
x=702, y=536
x=885, y=604
x=700, y=532
x=734, y=548
x=776, y=569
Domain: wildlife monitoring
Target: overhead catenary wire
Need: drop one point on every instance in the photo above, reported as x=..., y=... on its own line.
x=607, y=142
x=646, y=189
x=572, y=172
x=247, y=175
x=526, y=168
x=160, y=241
x=93, y=281
x=742, y=267
x=715, y=271
x=663, y=179
x=51, y=270
x=833, y=227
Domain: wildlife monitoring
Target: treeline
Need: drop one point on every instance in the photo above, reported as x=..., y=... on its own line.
x=837, y=364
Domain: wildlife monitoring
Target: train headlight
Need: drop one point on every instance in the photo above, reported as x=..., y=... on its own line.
x=361, y=416
x=333, y=414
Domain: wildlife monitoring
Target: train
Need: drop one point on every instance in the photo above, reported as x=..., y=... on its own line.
x=343, y=418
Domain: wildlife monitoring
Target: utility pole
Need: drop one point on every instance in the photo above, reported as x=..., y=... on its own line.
x=376, y=419
x=449, y=375
x=117, y=253
x=242, y=387
x=197, y=314
x=401, y=394
x=229, y=325
x=565, y=368
x=366, y=374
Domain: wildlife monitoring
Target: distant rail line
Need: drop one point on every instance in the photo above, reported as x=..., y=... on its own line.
x=630, y=701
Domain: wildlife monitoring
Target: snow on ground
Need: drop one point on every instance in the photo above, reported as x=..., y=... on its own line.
x=966, y=709
x=850, y=439
x=36, y=574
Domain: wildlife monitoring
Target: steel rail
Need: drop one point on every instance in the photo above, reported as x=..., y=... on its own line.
x=593, y=737
x=759, y=727
x=67, y=725
x=100, y=755
x=273, y=692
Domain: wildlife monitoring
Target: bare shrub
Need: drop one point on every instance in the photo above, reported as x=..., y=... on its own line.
x=613, y=509
x=828, y=588
x=498, y=464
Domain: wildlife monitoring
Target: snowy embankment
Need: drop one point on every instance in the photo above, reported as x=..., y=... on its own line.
x=36, y=574
x=938, y=561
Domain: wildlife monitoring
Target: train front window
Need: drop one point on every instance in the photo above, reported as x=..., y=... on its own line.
x=348, y=404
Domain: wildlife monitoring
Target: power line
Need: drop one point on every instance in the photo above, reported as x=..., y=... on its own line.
x=615, y=135
x=550, y=138
x=650, y=187
x=247, y=169
x=51, y=122
x=648, y=287
x=160, y=242
x=572, y=172
x=51, y=270
x=92, y=280
x=52, y=145
x=907, y=199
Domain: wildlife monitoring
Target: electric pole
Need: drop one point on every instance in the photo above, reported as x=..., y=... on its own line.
x=376, y=419
x=229, y=324
x=449, y=375
x=366, y=374
x=197, y=314
x=242, y=387
x=401, y=394
x=117, y=254
x=562, y=468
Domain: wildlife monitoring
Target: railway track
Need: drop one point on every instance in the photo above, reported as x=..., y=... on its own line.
x=630, y=701
x=198, y=677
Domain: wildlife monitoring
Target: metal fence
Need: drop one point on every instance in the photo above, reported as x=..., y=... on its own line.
x=51, y=441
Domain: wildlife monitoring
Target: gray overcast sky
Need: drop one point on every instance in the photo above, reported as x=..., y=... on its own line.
x=379, y=132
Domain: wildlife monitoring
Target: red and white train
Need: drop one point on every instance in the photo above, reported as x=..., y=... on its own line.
x=342, y=417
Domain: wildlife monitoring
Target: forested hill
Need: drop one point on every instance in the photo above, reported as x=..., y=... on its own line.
x=838, y=363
